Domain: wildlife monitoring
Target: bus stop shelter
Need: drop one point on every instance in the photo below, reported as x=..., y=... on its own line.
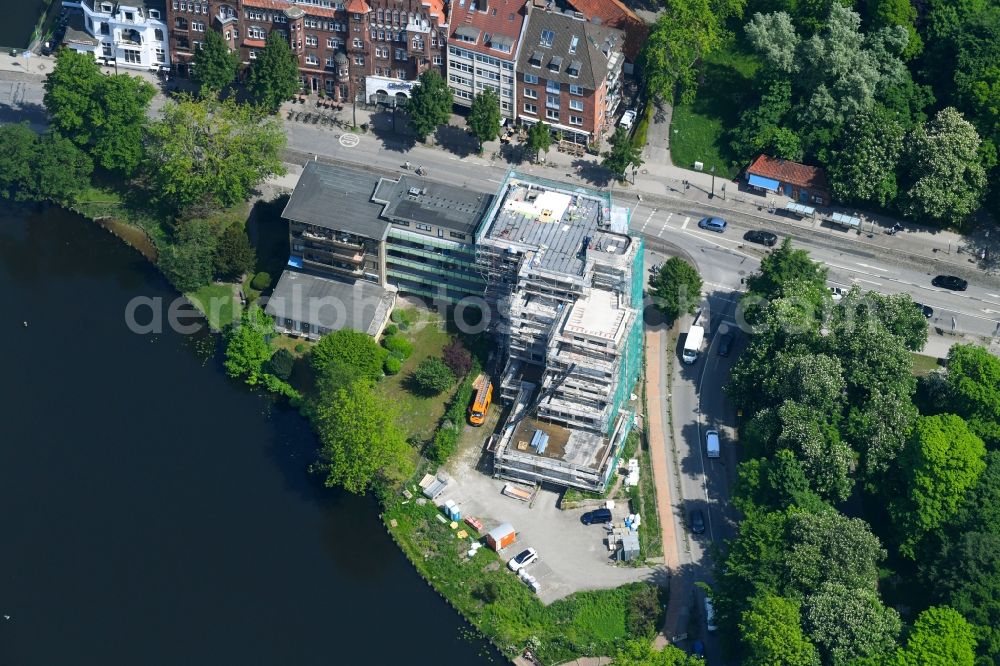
x=846, y=221
x=800, y=210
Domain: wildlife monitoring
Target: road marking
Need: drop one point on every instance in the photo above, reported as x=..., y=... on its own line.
x=993, y=295
x=349, y=140
x=670, y=215
x=651, y=213
x=877, y=284
x=685, y=225
x=874, y=268
x=659, y=234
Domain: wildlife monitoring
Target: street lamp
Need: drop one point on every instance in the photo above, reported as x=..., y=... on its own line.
x=634, y=170
x=713, y=182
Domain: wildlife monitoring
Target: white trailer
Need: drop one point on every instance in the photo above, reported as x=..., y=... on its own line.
x=692, y=345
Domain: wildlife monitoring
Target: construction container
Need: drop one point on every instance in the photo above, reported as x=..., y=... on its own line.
x=501, y=536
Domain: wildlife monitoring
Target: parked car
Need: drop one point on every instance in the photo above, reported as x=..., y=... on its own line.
x=522, y=559
x=950, y=282
x=697, y=521
x=837, y=293
x=712, y=224
x=761, y=237
x=725, y=344
x=927, y=310
x=628, y=118
x=596, y=517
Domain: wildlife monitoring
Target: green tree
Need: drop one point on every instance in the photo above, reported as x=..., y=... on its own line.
x=352, y=349
x=623, y=153
x=206, y=153
x=946, y=178
x=878, y=430
x=60, y=170
x=864, y=170
x=432, y=376
x=850, y=623
x=215, y=66
x=885, y=13
x=234, y=256
x=826, y=458
x=973, y=386
x=830, y=547
x=539, y=139
x=771, y=632
x=682, y=36
x=786, y=271
x=676, y=288
x=361, y=444
x=17, y=155
x=187, y=260
x=281, y=364
x=104, y=115
x=248, y=346
x=940, y=463
x=274, y=75
x=940, y=637
x=973, y=584
x=642, y=653
x=764, y=128
x=484, y=117
x=429, y=105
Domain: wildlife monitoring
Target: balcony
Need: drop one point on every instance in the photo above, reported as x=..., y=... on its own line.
x=333, y=240
x=333, y=268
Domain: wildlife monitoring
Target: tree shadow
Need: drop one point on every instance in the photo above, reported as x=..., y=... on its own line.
x=456, y=140
x=393, y=130
x=34, y=114
x=592, y=172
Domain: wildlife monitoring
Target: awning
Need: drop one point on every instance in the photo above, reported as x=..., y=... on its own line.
x=763, y=183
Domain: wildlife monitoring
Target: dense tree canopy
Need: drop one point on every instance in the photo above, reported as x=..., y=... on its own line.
x=676, y=288
x=484, y=117
x=685, y=32
x=939, y=636
x=429, y=105
x=771, y=629
x=46, y=167
x=248, y=346
x=188, y=260
x=274, y=75
x=215, y=66
x=973, y=384
x=351, y=349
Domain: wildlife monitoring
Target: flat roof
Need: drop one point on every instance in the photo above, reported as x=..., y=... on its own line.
x=598, y=314
x=570, y=445
x=338, y=198
x=76, y=33
x=420, y=201
x=325, y=302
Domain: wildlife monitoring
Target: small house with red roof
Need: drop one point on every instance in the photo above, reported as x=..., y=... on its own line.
x=799, y=182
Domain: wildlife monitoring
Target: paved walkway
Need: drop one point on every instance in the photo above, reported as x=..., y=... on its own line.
x=656, y=410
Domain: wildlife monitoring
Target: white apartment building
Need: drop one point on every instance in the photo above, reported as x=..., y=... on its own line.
x=129, y=34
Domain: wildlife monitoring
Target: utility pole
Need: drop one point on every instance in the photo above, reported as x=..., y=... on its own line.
x=713, y=182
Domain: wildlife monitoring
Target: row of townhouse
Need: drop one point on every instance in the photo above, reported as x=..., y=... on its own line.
x=545, y=63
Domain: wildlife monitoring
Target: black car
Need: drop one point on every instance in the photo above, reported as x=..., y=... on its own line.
x=596, y=517
x=950, y=282
x=927, y=310
x=697, y=521
x=761, y=237
x=725, y=344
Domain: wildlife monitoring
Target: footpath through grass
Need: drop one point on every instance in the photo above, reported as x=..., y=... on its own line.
x=699, y=131
x=495, y=601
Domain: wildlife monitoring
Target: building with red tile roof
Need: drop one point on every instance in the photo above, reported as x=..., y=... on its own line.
x=800, y=182
x=615, y=14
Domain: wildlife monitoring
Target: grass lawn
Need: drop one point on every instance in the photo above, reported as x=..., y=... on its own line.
x=418, y=415
x=592, y=623
x=698, y=130
x=923, y=365
x=218, y=303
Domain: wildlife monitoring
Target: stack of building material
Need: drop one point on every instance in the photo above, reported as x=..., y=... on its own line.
x=632, y=477
x=539, y=441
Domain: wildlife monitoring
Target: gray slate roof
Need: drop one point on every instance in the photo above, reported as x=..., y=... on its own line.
x=337, y=198
x=445, y=206
x=591, y=37
x=329, y=302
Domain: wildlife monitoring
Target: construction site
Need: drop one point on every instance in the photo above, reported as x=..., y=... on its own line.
x=564, y=283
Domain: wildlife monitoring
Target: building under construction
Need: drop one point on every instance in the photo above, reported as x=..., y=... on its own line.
x=564, y=280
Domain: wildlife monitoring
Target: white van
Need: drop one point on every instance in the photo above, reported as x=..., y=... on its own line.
x=692, y=345
x=709, y=615
x=712, y=443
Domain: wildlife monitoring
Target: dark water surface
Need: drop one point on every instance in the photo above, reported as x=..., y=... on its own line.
x=19, y=17
x=153, y=511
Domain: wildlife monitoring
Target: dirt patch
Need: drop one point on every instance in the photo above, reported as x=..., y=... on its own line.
x=132, y=235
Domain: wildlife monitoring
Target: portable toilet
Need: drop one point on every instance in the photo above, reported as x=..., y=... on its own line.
x=501, y=536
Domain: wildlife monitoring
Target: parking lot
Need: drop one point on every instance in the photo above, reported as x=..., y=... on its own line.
x=572, y=556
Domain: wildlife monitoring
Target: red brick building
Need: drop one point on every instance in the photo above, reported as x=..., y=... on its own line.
x=569, y=73
x=369, y=50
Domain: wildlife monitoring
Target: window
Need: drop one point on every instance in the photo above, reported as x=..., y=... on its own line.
x=400, y=54
x=132, y=57
x=158, y=35
x=106, y=50
x=198, y=26
x=575, y=120
x=105, y=29
x=175, y=4
x=552, y=86
x=312, y=40
x=530, y=93
x=182, y=43
x=254, y=32
x=438, y=60
x=359, y=60
x=456, y=234
x=204, y=8
x=161, y=57
x=311, y=59
x=548, y=36
x=154, y=13
x=329, y=62
x=401, y=74
x=575, y=90
x=576, y=104
x=356, y=43
x=536, y=59
x=181, y=23
x=424, y=227
x=551, y=114
x=330, y=43
x=552, y=101
x=572, y=44
x=530, y=108
x=554, y=65
x=184, y=6
x=129, y=16
x=486, y=38
x=573, y=69
x=530, y=78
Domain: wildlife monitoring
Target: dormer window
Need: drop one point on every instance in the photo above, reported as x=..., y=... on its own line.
x=574, y=68
x=106, y=8
x=548, y=36
x=555, y=64
x=536, y=59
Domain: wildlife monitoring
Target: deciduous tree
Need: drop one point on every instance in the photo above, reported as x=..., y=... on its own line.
x=771, y=631
x=429, y=105
x=432, y=376
x=623, y=153
x=274, y=75
x=684, y=33
x=187, y=259
x=248, y=346
x=850, y=623
x=484, y=117
x=642, y=653
x=676, y=288
x=352, y=349
x=830, y=547
x=234, y=255
x=539, y=138
x=864, y=170
x=973, y=384
x=215, y=66
x=939, y=636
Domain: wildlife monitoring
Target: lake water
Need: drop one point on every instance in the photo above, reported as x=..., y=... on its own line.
x=19, y=17
x=154, y=512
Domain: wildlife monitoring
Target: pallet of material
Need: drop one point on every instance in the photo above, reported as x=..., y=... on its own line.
x=517, y=492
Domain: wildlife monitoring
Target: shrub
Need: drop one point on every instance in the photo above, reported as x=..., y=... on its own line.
x=300, y=348
x=281, y=364
x=642, y=612
x=457, y=357
x=392, y=365
x=391, y=329
x=398, y=346
x=433, y=376
x=351, y=349
x=261, y=281
x=444, y=444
